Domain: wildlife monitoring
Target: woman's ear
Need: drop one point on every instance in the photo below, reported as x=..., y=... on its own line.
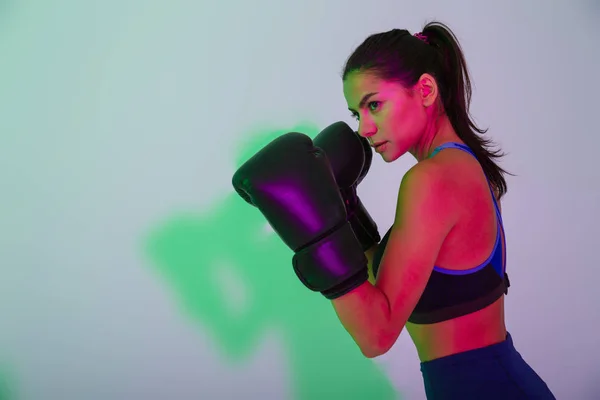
x=427, y=89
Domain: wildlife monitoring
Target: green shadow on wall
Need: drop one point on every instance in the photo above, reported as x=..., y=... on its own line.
x=8, y=387
x=234, y=278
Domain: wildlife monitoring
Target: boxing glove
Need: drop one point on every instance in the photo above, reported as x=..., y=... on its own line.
x=291, y=183
x=350, y=157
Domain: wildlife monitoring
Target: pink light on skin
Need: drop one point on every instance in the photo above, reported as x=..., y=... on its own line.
x=381, y=148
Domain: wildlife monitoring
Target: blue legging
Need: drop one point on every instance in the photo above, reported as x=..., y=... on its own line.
x=493, y=372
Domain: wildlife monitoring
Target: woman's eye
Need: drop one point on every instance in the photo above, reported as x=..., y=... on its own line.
x=373, y=105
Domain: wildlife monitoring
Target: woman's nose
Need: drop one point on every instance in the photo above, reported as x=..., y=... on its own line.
x=366, y=130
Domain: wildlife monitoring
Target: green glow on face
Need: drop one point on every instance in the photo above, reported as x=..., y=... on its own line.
x=234, y=278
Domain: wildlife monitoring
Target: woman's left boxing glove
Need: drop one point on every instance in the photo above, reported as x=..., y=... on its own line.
x=291, y=182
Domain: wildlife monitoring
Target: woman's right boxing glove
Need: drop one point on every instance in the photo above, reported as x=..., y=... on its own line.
x=350, y=158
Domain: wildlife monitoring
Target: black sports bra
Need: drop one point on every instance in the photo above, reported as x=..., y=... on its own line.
x=450, y=293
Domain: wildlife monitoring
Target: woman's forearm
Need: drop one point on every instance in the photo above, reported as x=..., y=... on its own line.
x=370, y=254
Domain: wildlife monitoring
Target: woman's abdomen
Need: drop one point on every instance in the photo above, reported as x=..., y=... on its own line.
x=479, y=329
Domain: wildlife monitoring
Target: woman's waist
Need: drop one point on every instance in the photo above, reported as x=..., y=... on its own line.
x=476, y=330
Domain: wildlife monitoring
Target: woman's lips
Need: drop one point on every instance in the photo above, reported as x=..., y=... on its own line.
x=380, y=146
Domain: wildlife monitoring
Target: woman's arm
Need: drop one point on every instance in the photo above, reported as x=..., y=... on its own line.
x=375, y=313
x=370, y=254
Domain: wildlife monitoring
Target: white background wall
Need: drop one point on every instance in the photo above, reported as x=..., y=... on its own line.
x=128, y=267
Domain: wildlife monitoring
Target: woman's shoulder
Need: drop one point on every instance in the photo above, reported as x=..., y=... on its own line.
x=427, y=181
x=453, y=173
x=446, y=167
x=457, y=172
x=452, y=165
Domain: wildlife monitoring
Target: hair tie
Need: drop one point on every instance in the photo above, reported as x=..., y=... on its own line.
x=421, y=37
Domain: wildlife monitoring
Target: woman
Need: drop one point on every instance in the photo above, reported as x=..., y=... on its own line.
x=440, y=269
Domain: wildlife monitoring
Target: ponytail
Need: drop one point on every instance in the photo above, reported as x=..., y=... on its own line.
x=456, y=97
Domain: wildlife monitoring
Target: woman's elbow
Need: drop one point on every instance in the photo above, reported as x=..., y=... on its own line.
x=375, y=350
x=371, y=353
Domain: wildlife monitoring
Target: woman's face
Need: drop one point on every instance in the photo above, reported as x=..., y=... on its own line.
x=393, y=118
